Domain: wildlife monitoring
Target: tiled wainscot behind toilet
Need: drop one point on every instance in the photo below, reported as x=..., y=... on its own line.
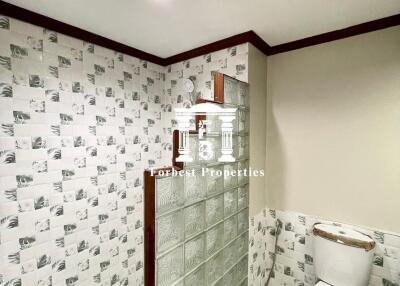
x=294, y=262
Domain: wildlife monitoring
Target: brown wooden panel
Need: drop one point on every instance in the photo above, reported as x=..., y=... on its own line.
x=198, y=119
x=219, y=87
x=149, y=228
x=175, y=150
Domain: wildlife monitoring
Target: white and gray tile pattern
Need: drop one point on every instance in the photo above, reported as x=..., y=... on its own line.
x=78, y=125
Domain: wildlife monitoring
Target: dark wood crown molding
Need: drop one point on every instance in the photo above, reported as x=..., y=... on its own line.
x=338, y=34
x=246, y=37
x=69, y=30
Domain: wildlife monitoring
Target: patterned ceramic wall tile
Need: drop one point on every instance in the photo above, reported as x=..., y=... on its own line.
x=78, y=125
x=294, y=262
x=260, y=247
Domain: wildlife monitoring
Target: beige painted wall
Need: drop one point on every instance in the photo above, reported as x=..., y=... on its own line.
x=333, y=130
x=257, y=68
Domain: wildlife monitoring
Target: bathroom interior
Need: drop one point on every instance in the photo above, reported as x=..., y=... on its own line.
x=202, y=143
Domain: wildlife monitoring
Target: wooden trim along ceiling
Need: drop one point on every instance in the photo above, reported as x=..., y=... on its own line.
x=69, y=30
x=246, y=37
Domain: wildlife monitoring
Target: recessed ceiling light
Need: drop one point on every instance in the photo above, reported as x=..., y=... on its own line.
x=162, y=2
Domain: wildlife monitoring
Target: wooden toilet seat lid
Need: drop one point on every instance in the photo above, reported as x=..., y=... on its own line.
x=343, y=235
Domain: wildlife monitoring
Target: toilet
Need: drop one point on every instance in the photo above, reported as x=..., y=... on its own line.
x=342, y=256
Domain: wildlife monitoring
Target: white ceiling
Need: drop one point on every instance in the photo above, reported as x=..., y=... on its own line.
x=167, y=27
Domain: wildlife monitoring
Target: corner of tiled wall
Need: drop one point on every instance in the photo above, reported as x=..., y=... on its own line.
x=78, y=125
x=261, y=246
x=294, y=262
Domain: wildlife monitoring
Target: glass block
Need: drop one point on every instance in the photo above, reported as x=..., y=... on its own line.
x=229, y=256
x=193, y=150
x=196, y=278
x=242, y=268
x=179, y=283
x=213, y=124
x=242, y=244
x=243, y=121
x=242, y=147
x=194, y=252
x=230, y=228
x=169, y=230
x=220, y=282
x=214, y=209
x=215, y=268
x=243, y=197
x=214, y=239
x=230, y=277
x=235, y=121
x=209, y=149
x=243, y=94
x=170, y=267
x=229, y=180
x=235, y=146
x=194, y=187
x=243, y=220
x=194, y=219
x=230, y=90
x=243, y=178
x=244, y=282
x=230, y=202
x=168, y=193
x=215, y=180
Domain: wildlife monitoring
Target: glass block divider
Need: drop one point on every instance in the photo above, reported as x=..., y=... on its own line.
x=225, y=272
x=230, y=268
x=238, y=243
x=161, y=254
x=206, y=260
x=207, y=228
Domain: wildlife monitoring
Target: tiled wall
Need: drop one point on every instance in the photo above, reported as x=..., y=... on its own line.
x=294, y=263
x=79, y=123
x=261, y=247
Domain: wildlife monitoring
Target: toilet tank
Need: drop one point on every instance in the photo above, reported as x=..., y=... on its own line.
x=342, y=256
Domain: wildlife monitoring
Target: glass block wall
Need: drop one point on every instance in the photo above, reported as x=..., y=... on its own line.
x=202, y=220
